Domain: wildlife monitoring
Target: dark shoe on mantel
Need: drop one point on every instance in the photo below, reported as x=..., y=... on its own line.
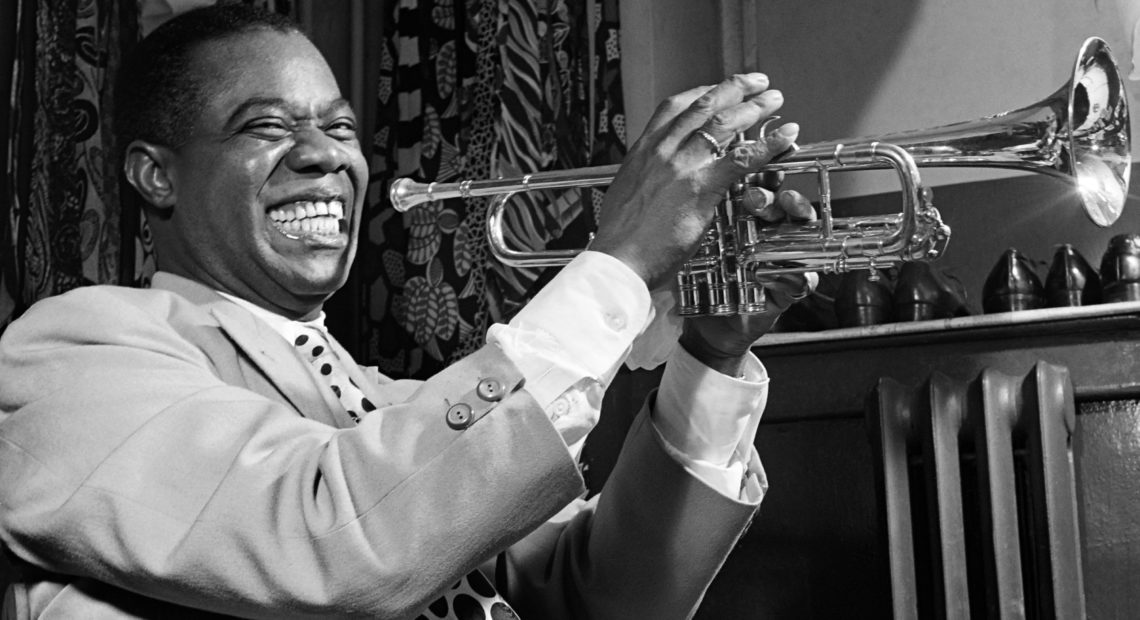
x=1071, y=280
x=1120, y=269
x=864, y=298
x=1012, y=285
x=922, y=293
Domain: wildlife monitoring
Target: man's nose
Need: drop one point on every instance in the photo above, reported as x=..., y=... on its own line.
x=314, y=149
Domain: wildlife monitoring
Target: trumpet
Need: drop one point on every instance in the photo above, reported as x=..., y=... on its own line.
x=1080, y=133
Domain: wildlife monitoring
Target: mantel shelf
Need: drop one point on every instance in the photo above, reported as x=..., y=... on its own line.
x=1046, y=321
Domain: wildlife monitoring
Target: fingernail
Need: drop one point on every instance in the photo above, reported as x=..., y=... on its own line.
x=789, y=130
x=753, y=76
x=760, y=197
x=772, y=95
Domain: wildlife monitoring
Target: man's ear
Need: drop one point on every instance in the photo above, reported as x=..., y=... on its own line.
x=147, y=169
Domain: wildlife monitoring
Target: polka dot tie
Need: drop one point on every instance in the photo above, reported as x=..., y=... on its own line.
x=315, y=349
x=472, y=597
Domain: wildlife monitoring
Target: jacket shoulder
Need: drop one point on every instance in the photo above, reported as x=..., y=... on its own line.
x=107, y=300
x=102, y=314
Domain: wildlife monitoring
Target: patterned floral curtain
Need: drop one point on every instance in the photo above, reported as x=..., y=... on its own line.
x=474, y=90
x=60, y=216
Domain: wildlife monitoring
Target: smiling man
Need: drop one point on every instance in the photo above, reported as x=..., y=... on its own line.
x=204, y=448
x=260, y=193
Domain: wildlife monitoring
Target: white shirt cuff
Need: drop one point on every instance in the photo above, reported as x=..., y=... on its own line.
x=570, y=340
x=704, y=413
x=709, y=419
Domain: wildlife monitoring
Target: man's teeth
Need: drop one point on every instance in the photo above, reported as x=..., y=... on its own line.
x=318, y=217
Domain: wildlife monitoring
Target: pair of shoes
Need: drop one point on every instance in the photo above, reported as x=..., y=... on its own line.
x=1120, y=269
x=923, y=293
x=1013, y=283
x=1071, y=280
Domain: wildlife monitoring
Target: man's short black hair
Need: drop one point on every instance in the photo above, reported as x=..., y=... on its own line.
x=159, y=92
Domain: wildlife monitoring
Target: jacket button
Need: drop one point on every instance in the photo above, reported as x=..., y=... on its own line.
x=489, y=390
x=459, y=416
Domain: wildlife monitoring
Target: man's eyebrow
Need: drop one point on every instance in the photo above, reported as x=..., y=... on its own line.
x=278, y=102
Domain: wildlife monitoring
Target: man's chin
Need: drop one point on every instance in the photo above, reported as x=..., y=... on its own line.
x=318, y=286
x=315, y=284
x=300, y=282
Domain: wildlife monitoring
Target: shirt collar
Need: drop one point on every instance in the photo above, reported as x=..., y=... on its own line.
x=280, y=324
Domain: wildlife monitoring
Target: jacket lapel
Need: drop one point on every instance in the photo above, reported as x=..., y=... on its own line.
x=277, y=360
x=265, y=348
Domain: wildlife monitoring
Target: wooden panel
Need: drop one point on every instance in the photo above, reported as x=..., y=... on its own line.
x=1106, y=449
x=813, y=550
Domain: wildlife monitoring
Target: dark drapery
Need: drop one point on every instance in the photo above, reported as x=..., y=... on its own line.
x=479, y=89
x=60, y=216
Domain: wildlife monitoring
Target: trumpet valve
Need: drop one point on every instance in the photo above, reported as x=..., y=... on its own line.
x=752, y=300
x=704, y=292
x=719, y=300
x=690, y=289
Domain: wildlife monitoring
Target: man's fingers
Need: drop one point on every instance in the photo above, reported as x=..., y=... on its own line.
x=773, y=207
x=668, y=109
x=704, y=121
x=784, y=290
x=720, y=130
x=685, y=112
x=725, y=95
x=760, y=202
x=796, y=206
x=749, y=157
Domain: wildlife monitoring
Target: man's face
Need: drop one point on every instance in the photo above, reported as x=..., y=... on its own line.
x=270, y=186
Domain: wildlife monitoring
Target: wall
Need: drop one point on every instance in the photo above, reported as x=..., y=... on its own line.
x=668, y=46
x=863, y=67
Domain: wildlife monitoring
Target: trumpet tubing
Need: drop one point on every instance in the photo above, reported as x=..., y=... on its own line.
x=1080, y=133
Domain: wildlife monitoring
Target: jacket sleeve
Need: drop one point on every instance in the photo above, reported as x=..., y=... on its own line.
x=123, y=458
x=648, y=546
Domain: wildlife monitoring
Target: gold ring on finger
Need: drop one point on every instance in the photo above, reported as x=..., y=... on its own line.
x=718, y=150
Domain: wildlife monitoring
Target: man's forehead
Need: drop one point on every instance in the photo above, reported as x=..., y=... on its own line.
x=260, y=53
x=268, y=69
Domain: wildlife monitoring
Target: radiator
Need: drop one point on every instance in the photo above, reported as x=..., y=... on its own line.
x=976, y=484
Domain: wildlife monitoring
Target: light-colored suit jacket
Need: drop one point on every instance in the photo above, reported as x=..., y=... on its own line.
x=163, y=453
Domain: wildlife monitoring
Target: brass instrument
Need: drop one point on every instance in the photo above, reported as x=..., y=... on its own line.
x=1081, y=132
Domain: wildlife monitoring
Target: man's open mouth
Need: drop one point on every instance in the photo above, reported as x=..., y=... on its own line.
x=309, y=218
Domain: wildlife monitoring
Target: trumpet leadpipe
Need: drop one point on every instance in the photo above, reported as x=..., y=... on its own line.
x=407, y=193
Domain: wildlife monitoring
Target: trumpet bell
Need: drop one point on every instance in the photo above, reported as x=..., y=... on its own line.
x=1100, y=137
